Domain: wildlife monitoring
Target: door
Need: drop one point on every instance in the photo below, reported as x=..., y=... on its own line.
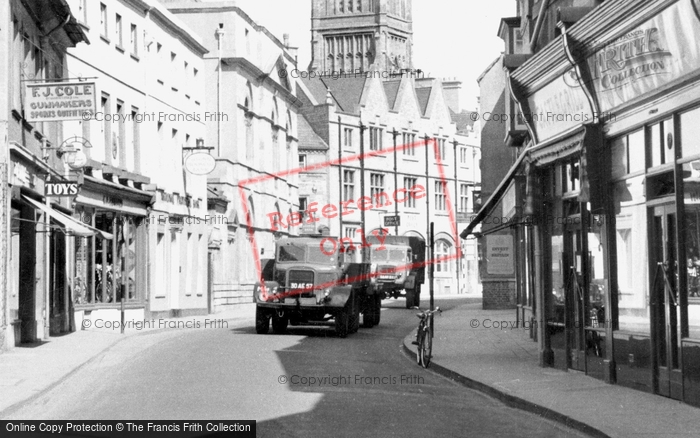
x=575, y=305
x=665, y=311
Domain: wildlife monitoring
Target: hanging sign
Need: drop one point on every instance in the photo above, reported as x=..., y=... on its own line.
x=200, y=163
x=57, y=101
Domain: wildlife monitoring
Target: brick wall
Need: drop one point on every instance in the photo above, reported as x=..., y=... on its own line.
x=499, y=295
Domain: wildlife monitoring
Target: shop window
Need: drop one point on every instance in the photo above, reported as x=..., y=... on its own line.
x=631, y=243
x=108, y=269
x=690, y=132
x=691, y=201
x=570, y=178
x=627, y=154
x=661, y=142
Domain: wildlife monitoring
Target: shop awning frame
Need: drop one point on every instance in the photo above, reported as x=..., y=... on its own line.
x=72, y=226
x=556, y=148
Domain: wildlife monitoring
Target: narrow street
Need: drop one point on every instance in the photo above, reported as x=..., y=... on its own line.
x=371, y=387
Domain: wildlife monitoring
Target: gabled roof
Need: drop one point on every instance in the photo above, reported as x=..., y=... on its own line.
x=423, y=95
x=308, y=139
x=463, y=120
x=391, y=88
x=346, y=91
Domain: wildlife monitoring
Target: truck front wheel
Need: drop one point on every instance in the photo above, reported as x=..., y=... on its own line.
x=262, y=321
x=342, y=320
x=354, y=323
x=279, y=324
x=377, y=309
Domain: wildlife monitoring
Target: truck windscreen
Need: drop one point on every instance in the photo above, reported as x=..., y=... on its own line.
x=290, y=253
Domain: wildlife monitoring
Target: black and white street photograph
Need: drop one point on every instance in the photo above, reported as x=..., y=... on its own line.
x=350, y=218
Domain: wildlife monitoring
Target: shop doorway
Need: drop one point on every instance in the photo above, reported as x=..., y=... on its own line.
x=665, y=309
x=573, y=276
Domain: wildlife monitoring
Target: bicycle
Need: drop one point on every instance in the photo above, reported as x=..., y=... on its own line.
x=424, y=336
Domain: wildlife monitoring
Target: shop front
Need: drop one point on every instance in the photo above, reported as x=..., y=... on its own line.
x=611, y=215
x=110, y=266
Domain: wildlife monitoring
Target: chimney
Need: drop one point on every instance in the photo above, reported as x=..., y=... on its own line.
x=450, y=89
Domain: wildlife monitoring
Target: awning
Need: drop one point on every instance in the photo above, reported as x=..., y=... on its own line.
x=494, y=198
x=565, y=145
x=72, y=226
x=562, y=146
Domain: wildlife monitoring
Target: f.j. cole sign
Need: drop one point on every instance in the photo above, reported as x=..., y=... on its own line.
x=52, y=101
x=61, y=189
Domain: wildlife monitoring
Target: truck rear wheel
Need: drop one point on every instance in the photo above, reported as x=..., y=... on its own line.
x=262, y=321
x=368, y=313
x=410, y=298
x=354, y=322
x=377, y=309
x=279, y=324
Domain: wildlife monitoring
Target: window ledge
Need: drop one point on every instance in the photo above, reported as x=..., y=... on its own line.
x=415, y=160
x=105, y=39
x=135, y=57
x=119, y=48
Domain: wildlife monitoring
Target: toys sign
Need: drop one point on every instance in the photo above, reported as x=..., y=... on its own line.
x=61, y=189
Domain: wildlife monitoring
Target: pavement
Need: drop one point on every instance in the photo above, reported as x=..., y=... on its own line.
x=30, y=370
x=503, y=363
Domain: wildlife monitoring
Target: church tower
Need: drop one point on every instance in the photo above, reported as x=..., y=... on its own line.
x=361, y=35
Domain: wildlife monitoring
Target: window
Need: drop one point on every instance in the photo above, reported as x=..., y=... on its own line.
x=118, y=30
x=463, y=155
x=690, y=132
x=409, y=184
x=440, y=151
x=105, y=107
x=661, y=142
x=571, y=178
x=409, y=141
x=348, y=185
x=134, y=42
x=303, y=203
x=442, y=251
x=302, y=161
x=628, y=154
x=136, y=139
x=375, y=139
x=121, y=126
x=350, y=232
x=464, y=198
x=347, y=138
x=376, y=184
x=440, y=204
x=82, y=11
x=103, y=21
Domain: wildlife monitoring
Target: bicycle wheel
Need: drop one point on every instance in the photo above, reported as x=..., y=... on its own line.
x=421, y=342
x=427, y=345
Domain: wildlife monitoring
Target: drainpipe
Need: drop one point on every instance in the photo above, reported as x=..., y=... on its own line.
x=220, y=43
x=538, y=25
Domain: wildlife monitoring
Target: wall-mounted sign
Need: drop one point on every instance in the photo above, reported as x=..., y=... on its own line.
x=57, y=189
x=200, y=163
x=499, y=255
x=55, y=101
x=663, y=49
x=392, y=221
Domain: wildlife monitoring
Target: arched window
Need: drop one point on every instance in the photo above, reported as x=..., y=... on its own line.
x=442, y=249
x=248, y=101
x=250, y=216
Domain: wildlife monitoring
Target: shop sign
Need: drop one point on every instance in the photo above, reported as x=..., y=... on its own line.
x=56, y=101
x=559, y=106
x=57, y=189
x=200, y=163
x=499, y=255
x=663, y=49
